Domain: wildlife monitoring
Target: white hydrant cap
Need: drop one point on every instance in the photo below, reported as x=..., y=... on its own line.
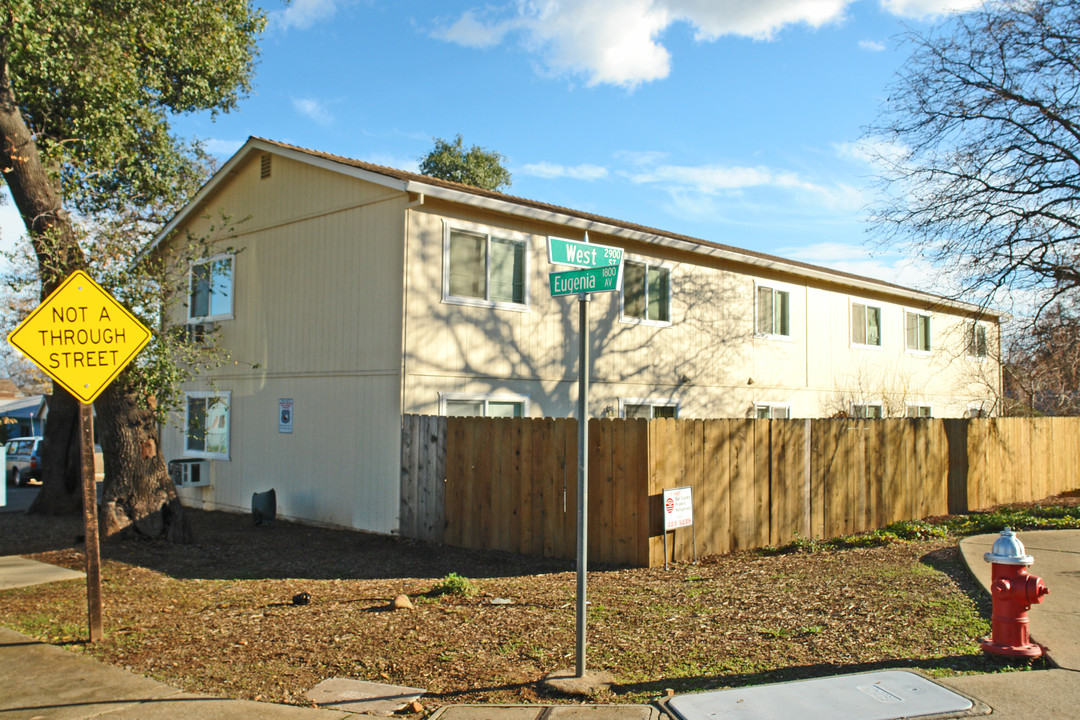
x=1008, y=550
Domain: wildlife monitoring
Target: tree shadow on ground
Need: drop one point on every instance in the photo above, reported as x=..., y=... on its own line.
x=230, y=546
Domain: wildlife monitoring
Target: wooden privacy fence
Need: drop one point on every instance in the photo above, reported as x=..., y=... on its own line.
x=511, y=484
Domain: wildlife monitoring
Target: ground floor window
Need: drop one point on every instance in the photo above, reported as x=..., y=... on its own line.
x=866, y=412
x=648, y=409
x=207, y=423
x=772, y=411
x=484, y=405
x=919, y=411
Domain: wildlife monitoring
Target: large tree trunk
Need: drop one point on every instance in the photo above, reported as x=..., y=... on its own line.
x=58, y=255
x=139, y=495
x=139, y=492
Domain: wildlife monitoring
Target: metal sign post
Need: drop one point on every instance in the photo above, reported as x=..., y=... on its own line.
x=82, y=338
x=90, y=521
x=583, y=476
x=600, y=271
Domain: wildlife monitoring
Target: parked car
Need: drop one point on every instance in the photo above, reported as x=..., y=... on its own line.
x=23, y=460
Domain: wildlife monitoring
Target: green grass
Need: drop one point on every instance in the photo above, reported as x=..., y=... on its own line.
x=1038, y=517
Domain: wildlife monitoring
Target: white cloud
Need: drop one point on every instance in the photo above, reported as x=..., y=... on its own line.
x=619, y=43
x=918, y=9
x=861, y=260
x=872, y=45
x=469, y=30
x=871, y=151
x=550, y=171
x=712, y=180
x=222, y=148
x=302, y=14
x=314, y=110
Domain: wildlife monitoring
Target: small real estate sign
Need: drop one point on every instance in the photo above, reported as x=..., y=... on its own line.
x=678, y=508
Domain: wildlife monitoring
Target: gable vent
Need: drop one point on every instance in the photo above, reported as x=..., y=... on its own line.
x=264, y=171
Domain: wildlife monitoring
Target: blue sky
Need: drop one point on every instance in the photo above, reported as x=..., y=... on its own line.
x=732, y=121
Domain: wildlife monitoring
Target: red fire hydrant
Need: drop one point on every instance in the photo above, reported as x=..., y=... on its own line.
x=1014, y=591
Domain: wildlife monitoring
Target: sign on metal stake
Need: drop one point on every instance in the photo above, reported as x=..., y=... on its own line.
x=601, y=271
x=82, y=338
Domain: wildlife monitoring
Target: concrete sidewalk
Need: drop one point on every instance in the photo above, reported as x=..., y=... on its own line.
x=41, y=681
x=1055, y=624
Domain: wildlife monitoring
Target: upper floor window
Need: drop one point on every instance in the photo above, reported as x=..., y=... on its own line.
x=865, y=325
x=646, y=291
x=917, y=331
x=467, y=405
x=975, y=336
x=773, y=311
x=210, y=292
x=207, y=423
x=485, y=269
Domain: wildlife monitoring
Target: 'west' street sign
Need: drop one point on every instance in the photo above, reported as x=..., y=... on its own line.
x=582, y=254
x=572, y=282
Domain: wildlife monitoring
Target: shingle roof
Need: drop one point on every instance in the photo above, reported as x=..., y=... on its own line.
x=465, y=191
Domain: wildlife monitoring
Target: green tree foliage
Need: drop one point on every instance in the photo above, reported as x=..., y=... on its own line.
x=982, y=132
x=476, y=166
x=87, y=88
x=96, y=82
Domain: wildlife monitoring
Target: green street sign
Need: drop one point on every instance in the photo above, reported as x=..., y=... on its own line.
x=573, y=282
x=582, y=254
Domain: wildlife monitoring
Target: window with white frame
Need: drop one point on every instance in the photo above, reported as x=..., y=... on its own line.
x=646, y=291
x=207, y=422
x=635, y=408
x=919, y=411
x=483, y=268
x=210, y=289
x=772, y=311
x=917, y=331
x=865, y=324
x=975, y=337
x=866, y=412
x=772, y=411
x=470, y=405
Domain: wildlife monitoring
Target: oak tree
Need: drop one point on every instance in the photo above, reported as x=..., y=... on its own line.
x=87, y=89
x=980, y=141
x=476, y=166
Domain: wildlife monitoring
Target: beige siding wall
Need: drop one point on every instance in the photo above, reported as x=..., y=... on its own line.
x=317, y=318
x=708, y=359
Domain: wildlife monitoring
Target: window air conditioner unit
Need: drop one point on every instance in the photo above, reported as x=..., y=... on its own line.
x=190, y=473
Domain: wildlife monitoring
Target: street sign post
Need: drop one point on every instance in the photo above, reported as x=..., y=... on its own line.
x=600, y=271
x=82, y=338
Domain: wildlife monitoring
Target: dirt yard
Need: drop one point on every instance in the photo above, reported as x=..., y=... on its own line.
x=219, y=616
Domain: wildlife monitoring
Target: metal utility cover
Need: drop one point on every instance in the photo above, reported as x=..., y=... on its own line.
x=884, y=695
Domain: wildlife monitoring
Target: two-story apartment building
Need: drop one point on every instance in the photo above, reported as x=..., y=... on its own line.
x=355, y=293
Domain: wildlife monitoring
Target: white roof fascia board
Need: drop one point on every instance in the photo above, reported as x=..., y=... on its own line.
x=543, y=215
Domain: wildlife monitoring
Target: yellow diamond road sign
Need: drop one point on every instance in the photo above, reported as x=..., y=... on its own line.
x=81, y=336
